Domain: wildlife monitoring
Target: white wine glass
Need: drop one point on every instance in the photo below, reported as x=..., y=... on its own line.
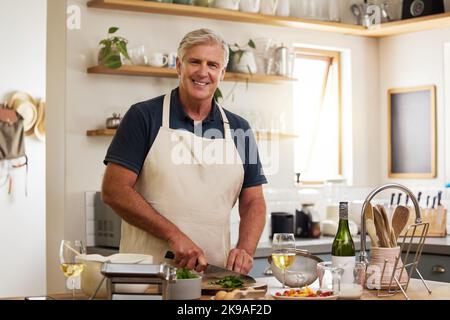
x=69, y=251
x=283, y=252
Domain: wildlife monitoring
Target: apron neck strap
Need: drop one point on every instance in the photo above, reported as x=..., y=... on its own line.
x=166, y=116
x=166, y=111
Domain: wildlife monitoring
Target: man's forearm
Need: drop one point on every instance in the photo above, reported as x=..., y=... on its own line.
x=253, y=219
x=133, y=208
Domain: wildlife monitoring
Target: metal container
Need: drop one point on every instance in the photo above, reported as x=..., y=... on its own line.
x=114, y=121
x=281, y=59
x=302, y=273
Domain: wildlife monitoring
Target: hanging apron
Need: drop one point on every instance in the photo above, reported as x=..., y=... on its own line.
x=193, y=182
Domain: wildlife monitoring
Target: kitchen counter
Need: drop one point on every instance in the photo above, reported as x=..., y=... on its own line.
x=440, y=246
x=416, y=291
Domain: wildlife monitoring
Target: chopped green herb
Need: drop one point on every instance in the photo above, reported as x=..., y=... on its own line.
x=229, y=282
x=185, y=274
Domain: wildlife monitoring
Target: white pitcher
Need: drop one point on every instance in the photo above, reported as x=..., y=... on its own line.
x=269, y=7
x=283, y=8
x=227, y=4
x=251, y=6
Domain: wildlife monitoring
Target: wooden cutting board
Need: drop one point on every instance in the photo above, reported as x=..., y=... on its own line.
x=212, y=289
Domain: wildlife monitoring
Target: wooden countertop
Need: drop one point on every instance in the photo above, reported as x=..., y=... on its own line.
x=416, y=291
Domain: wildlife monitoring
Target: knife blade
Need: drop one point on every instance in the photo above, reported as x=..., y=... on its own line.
x=215, y=272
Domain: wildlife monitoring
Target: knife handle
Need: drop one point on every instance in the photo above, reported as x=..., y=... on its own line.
x=169, y=255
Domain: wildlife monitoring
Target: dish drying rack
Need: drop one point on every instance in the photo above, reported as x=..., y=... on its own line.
x=418, y=230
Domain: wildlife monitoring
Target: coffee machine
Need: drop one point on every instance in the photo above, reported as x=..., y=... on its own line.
x=282, y=222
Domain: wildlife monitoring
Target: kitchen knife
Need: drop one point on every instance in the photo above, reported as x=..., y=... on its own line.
x=215, y=272
x=399, y=198
x=439, y=198
x=392, y=199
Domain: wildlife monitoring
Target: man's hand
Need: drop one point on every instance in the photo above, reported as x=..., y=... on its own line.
x=240, y=261
x=187, y=253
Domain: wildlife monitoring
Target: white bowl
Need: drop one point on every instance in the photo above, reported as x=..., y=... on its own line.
x=91, y=276
x=185, y=289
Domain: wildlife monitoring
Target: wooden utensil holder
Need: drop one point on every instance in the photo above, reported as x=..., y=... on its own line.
x=407, y=260
x=437, y=218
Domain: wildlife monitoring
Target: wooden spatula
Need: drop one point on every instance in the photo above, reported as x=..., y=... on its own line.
x=387, y=224
x=400, y=218
x=381, y=229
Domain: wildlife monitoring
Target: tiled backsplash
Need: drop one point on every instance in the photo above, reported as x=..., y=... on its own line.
x=89, y=207
x=287, y=200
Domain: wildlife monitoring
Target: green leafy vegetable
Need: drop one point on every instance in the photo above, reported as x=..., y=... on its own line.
x=229, y=282
x=185, y=274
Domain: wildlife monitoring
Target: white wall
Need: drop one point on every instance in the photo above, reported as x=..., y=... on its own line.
x=22, y=226
x=407, y=61
x=89, y=99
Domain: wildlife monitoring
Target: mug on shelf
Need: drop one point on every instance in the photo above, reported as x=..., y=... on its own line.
x=269, y=7
x=251, y=6
x=227, y=4
x=157, y=59
x=172, y=60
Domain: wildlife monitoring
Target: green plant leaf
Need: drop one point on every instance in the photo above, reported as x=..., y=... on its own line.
x=113, y=61
x=112, y=30
x=122, y=47
x=218, y=95
x=105, y=42
x=251, y=44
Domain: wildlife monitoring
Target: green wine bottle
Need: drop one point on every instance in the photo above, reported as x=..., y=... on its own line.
x=343, y=249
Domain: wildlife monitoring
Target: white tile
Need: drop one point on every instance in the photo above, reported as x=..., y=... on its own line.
x=90, y=241
x=89, y=213
x=90, y=228
x=89, y=198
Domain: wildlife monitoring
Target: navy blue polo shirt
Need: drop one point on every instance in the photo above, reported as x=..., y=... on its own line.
x=140, y=126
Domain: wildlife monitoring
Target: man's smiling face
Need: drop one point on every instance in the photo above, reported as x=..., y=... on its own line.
x=201, y=71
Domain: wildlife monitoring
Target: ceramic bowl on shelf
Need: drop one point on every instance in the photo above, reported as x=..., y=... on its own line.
x=227, y=4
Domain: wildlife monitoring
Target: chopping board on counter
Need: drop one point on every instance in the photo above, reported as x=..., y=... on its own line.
x=212, y=289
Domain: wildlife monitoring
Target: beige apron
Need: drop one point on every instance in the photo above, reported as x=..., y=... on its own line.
x=184, y=180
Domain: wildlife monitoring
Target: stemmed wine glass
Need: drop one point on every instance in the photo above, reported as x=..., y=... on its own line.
x=68, y=257
x=283, y=252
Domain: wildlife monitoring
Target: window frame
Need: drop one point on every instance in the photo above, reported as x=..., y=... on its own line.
x=335, y=57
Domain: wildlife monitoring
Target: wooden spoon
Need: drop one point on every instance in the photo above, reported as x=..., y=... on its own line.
x=400, y=218
x=387, y=224
x=370, y=225
x=372, y=231
x=381, y=229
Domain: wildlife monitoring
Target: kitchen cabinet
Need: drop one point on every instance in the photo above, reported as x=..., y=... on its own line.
x=378, y=31
x=434, y=267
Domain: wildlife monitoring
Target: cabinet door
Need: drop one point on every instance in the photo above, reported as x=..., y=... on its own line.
x=434, y=267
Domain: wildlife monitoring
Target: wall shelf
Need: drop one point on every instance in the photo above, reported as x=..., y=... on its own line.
x=260, y=135
x=383, y=30
x=228, y=15
x=132, y=70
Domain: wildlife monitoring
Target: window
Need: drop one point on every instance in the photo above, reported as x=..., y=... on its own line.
x=317, y=115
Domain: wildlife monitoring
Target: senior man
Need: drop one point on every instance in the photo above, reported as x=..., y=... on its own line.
x=177, y=166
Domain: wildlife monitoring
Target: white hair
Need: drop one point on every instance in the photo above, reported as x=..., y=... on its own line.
x=202, y=37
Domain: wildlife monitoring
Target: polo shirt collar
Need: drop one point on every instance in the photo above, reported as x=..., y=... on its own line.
x=183, y=116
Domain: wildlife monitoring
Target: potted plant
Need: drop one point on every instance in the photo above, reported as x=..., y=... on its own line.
x=113, y=50
x=242, y=59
